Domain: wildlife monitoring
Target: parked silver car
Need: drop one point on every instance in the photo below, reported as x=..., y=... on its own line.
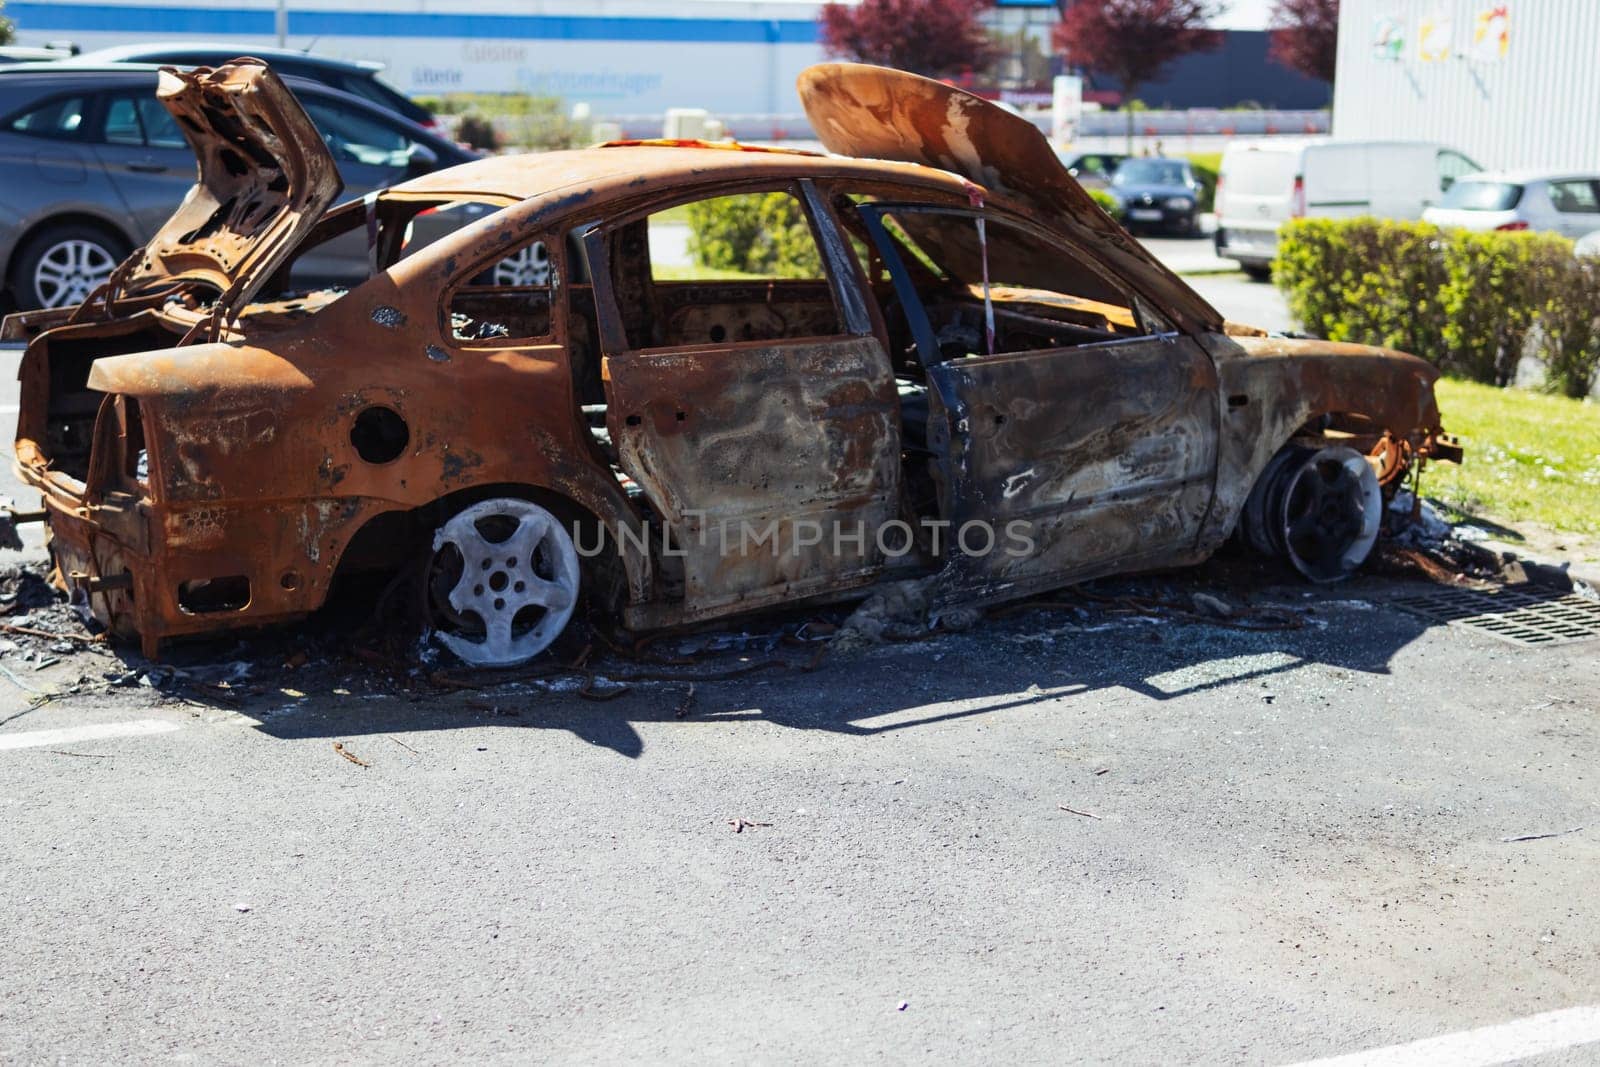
x=22, y=54
x=91, y=165
x=1557, y=201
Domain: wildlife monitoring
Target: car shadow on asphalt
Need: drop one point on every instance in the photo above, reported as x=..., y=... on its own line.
x=1067, y=653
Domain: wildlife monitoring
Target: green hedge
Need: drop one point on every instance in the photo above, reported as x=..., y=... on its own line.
x=1471, y=303
x=528, y=122
x=1108, y=203
x=764, y=234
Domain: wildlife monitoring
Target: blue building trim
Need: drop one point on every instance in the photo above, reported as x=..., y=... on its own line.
x=154, y=20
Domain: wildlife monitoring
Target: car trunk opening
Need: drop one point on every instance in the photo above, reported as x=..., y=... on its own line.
x=264, y=179
x=59, y=410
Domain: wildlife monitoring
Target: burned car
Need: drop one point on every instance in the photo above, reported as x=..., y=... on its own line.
x=966, y=374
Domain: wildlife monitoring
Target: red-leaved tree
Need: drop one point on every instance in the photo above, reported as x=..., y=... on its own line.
x=937, y=38
x=1133, y=41
x=1305, y=36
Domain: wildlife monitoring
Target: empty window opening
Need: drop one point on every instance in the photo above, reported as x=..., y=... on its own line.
x=970, y=279
x=508, y=302
x=730, y=269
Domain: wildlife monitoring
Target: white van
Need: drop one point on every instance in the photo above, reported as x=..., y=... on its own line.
x=1263, y=184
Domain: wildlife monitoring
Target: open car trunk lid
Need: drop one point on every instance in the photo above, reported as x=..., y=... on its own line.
x=877, y=113
x=265, y=178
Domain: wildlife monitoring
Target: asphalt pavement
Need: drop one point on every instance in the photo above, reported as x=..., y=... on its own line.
x=1068, y=835
x=1098, y=833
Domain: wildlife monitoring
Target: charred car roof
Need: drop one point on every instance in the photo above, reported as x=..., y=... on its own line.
x=878, y=123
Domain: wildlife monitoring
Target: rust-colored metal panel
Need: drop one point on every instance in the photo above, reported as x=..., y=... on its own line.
x=1273, y=388
x=265, y=177
x=1097, y=458
x=799, y=438
x=252, y=464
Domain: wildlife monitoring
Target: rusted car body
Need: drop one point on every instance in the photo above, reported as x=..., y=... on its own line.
x=980, y=346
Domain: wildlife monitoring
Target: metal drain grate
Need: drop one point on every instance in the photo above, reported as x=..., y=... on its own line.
x=1523, y=616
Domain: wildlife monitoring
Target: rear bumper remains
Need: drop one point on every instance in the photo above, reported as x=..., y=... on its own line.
x=151, y=573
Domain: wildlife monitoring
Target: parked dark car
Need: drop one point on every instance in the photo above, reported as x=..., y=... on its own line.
x=358, y=77
x=91, y=165
x=1158, y=194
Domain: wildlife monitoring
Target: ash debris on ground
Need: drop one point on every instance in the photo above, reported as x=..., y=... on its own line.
x=39, y=625
x=1420, y=540
x=28, y=598
x=51, y=647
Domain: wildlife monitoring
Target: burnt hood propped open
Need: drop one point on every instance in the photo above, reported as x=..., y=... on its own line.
x=871, y=112
x=265, y=178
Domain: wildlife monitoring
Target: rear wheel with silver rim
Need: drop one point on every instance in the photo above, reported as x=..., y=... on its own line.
x=503, y=581
x=63, y=265
x=1319, y=508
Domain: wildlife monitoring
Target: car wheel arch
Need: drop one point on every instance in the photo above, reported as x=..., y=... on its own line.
x=61, y=219
x=1266, y=412
x=407, y=529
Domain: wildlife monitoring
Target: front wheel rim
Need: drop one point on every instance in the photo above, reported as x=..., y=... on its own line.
x=69, y=271
x=1332, y=511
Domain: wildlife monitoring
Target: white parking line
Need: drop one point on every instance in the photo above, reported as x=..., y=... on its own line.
x=72, y=734
x=1486, y=1046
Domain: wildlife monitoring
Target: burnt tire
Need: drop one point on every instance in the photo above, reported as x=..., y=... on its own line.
x=63, y=263
x=1318, y=508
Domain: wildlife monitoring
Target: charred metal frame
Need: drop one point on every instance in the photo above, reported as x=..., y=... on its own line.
x=251, y=474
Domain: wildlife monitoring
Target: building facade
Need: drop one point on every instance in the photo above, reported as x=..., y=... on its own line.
x=618, y=56
x=1512, y=83
x=628, y=57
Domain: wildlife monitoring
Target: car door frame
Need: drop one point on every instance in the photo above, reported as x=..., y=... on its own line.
x=739, y=529
x=1066, y=536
